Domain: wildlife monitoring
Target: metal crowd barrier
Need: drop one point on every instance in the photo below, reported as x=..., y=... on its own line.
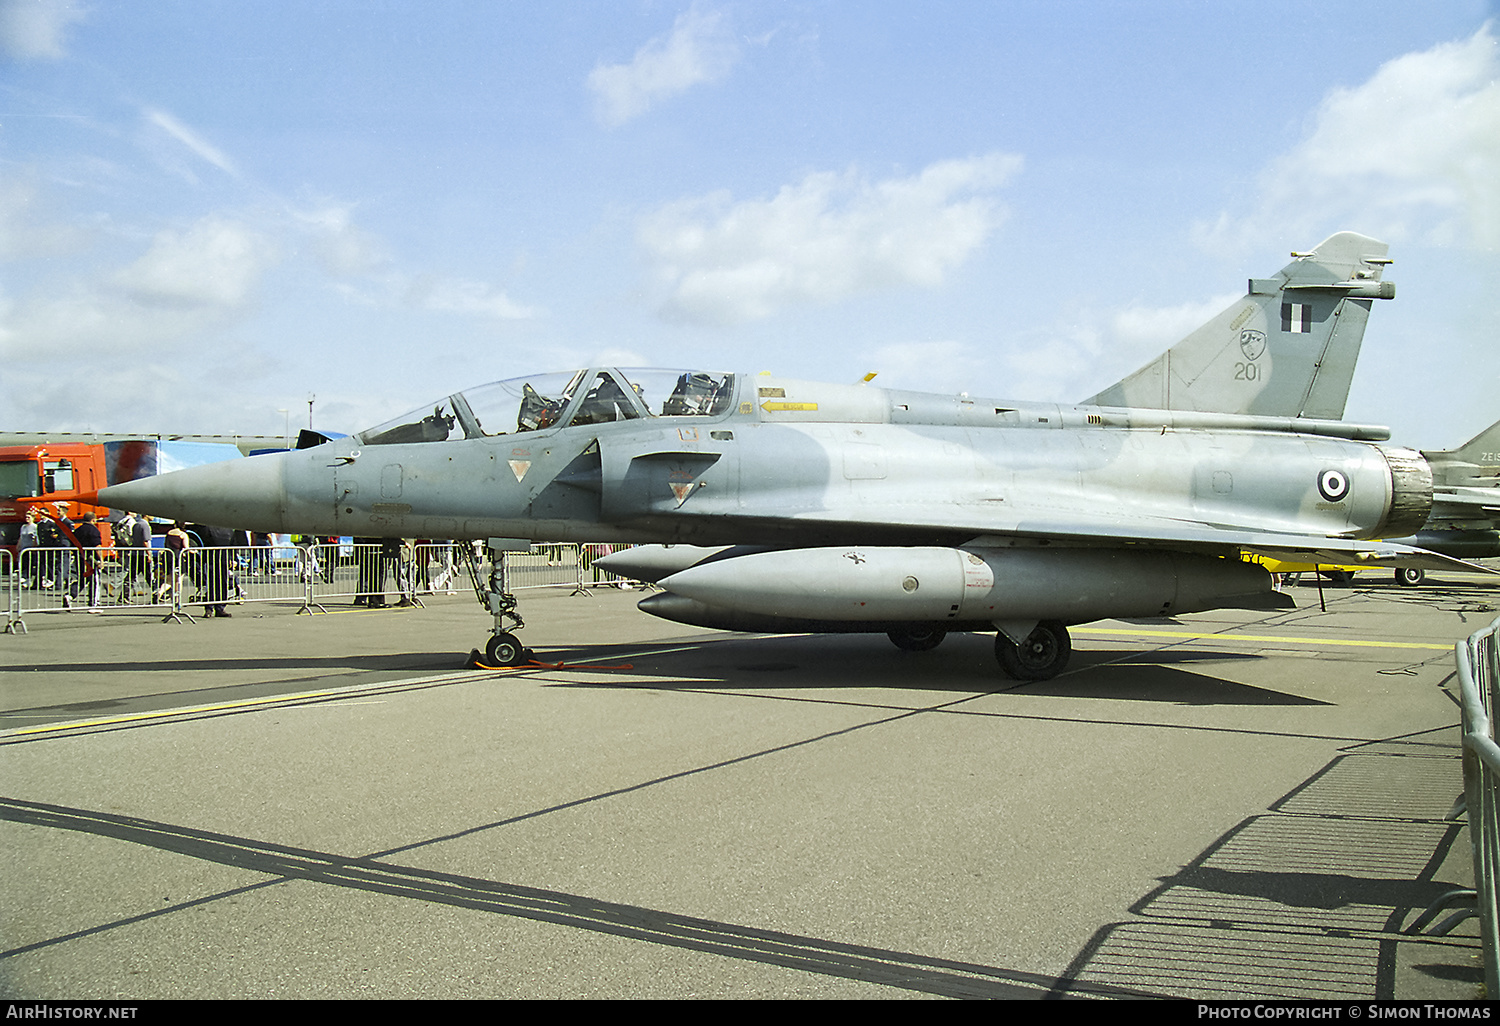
x=547, y=565
x=364, y=573
x=435, y=569
x=597, y=578
x=1479, y=676
x=562, y=565
x=9, y=584
x=217, y=576
x=385, y=574
x=59, y=578
x=62, y=578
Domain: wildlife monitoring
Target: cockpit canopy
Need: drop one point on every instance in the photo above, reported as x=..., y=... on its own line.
x=598, y=395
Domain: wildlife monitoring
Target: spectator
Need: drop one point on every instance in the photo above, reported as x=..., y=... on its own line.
x=133, y=535
x=89, y=541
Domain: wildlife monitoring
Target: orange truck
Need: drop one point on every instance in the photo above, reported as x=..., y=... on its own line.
x=37, y=472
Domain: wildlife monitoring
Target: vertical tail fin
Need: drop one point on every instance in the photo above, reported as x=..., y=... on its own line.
x=1287, y=349
x=1483, y=450
x=1466, y=485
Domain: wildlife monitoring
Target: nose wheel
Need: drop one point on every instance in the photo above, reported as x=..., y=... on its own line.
x=504, y=649
x=1042, y=656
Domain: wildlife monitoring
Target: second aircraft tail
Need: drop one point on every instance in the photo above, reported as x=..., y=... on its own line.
x=1466, y=484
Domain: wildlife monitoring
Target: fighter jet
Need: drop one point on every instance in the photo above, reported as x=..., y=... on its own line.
x=799, y=506
x=1465, y=518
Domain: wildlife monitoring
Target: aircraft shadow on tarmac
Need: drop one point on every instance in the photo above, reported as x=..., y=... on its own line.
x=370, y=873
x=786, y=665
x=963, y=664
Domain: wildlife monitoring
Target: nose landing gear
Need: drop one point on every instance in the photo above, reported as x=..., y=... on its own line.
x=503, y=647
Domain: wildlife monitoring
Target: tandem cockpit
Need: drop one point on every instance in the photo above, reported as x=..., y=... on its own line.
x=598, y=395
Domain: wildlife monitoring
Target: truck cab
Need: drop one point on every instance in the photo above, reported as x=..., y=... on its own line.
x=42, y=471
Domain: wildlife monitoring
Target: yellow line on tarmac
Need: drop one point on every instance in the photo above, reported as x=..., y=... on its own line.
x=1219, y=636
x=248, y=703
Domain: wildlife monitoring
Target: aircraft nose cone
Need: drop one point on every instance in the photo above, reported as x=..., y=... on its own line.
x=248, y=494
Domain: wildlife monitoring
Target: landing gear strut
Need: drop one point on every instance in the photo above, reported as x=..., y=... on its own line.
x=1041, y=656
x=503, y=648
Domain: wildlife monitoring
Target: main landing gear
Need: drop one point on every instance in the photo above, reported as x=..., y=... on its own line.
x=503, y=648
x=1409, y=576
x=917, y=638
x=1041, y=656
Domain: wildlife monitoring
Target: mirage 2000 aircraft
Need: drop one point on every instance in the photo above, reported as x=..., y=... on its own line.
x=794, y=506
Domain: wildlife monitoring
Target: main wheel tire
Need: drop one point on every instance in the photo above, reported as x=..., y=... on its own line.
x=917, y=639
x=1410, y=576
x=505, y=650
x=1042, y=656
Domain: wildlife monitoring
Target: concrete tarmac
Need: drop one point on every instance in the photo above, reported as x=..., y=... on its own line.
x=1224, y=805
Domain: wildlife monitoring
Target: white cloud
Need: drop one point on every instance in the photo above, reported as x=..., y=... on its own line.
x=939, y=365
x=161, y=121
x=366, y=272
x=1085, y=350
x=825, y=238
x=88, y=330
x=1148, y=331
x=215, y=263
x=34, y=29
x=617, y=356
x=1060, y=370
x=344, y=248
x=187, y=287
x=1414, y=153
x=449, y=295
x=225, y=391
x=24, y=230
x=1094, y=349
x=153, y=338
x=700, y=49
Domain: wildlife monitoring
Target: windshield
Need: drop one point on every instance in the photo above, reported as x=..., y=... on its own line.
x=596, y=396
x=19, y=478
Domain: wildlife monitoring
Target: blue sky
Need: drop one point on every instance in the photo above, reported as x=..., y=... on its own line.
x=210, y=211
